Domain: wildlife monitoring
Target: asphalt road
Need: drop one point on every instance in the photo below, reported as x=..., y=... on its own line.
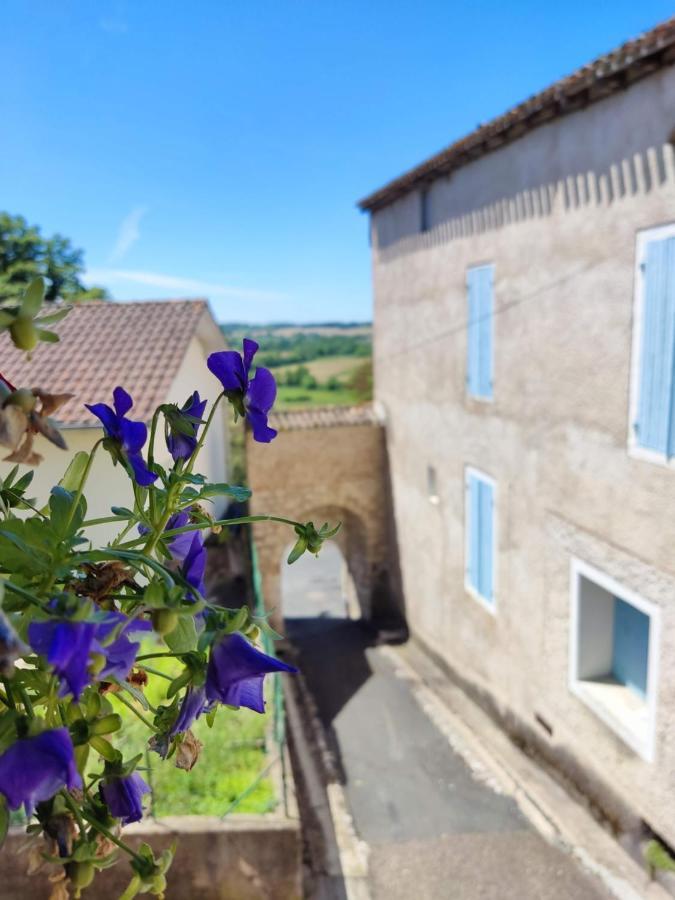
x=433, y=830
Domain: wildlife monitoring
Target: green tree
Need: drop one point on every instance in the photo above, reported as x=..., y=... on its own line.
x=361, y=381
x=26, y=253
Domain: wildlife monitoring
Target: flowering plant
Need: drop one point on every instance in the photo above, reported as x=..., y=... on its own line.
x=73, y=616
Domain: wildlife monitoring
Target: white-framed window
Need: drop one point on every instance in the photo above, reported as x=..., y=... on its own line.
x=480, y=302
x=480, y=524
x=652, y=404
x=614, y=641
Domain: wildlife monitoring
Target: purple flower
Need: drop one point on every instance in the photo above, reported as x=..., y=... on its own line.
x=67, y=646
x=124, y=797
x=193, y=705
x=128, y=437
x=236, y=671
x=194, y=563
x=120, y=653
x=33, y=769
x=183, y=426
x=251, y=397
x=179, y=546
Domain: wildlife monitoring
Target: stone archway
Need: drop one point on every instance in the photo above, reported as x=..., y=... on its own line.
x=329, y=465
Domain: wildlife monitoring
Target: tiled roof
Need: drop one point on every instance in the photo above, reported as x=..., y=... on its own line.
x=139, y=345
x=324, y=417
x=604, y=76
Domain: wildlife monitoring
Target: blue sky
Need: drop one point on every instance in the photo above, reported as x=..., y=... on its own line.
x=217, y=148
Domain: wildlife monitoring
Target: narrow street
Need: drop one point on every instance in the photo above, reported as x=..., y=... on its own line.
x=433, y=830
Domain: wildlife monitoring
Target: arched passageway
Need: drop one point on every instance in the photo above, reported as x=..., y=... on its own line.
x=318, y=586
x=329, y=466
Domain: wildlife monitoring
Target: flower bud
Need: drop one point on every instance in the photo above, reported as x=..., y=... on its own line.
x=23, y=398
x=81, y=874
x=164, y=620
x=24, y=333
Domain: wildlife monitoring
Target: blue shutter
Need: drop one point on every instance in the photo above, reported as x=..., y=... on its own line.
x=480, y=561
x=630, y=658
x=656, y=404
x=486, y=587
x=480, y=313
x=474, y=533
x=485, y=330
x=473, y=347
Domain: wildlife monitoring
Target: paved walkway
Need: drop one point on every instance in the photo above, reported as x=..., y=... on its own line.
x=433, y=830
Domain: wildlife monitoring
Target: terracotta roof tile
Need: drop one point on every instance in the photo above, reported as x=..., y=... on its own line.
x=606, y=75
x=139, y=345
x=324, y=417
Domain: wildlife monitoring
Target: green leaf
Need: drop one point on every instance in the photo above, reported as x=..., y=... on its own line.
x=6, y=318
x=32, y=299
x=135, y=693
x=4, y=820
x=658, y=857
x=72, y=477
x=183, y=637
x=50, y=337
x=52, y=318
x=105, y=748
x=122, y=511
x=237, y=492
x=298, y=549
x=154, y=595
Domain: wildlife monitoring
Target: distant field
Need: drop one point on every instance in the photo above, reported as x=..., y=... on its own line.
x=291, y=330
x=326, y=366
x=328, y=350
x=289, y=398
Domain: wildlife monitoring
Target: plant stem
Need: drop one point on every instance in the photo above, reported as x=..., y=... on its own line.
x=111, y=837
x=205, y=429
x=161, y=674
x=151, y=460
x=104, y=520
x=83, y=481
x=155, y=656
x=242, y=520
x=10, y=695
x=129, y=705
x=25, y=699
x=72, y=806
x=22, y=592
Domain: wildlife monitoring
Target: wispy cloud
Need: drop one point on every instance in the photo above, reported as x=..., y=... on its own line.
x=128, y=233
x=178, y=285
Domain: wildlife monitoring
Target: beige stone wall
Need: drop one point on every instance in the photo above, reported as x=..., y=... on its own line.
x=334, y=474
x=557, y=213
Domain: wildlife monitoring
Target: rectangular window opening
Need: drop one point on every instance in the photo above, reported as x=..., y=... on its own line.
x=612, y=655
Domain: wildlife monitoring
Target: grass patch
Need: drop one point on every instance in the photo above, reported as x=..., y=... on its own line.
x=232, y=758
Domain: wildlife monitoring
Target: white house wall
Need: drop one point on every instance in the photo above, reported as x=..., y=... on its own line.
x=557, y=214
x=109, y=485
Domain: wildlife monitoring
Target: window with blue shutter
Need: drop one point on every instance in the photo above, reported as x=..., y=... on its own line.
x=630, y=652
x=480, y=331
x=480, y=536
x=655, y=425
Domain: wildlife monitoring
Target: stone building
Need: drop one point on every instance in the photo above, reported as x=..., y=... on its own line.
x=524, y=283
